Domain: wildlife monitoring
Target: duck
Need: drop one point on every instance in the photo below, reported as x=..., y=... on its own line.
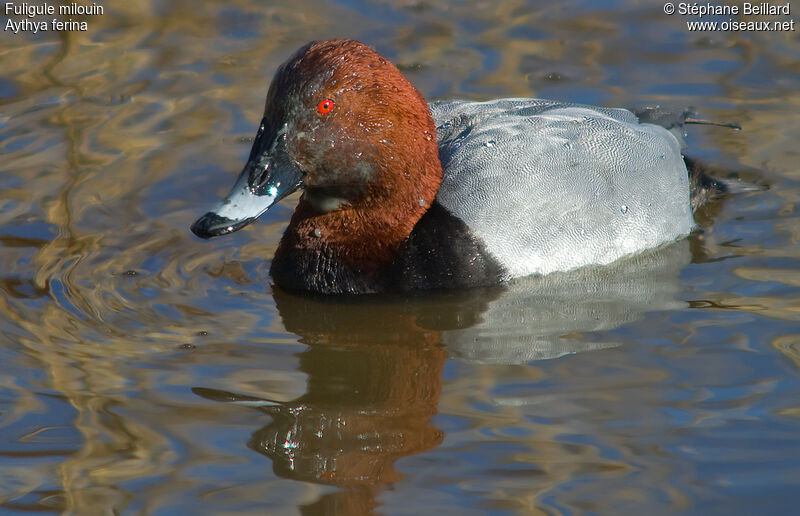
x=399, y=195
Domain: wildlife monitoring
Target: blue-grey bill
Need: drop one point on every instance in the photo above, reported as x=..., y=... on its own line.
x=268, y=177
x=238, y=209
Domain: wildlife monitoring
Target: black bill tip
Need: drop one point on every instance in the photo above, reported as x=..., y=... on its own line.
x=211, y=225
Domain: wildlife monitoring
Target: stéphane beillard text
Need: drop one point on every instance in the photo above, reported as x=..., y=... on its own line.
x=708, y=9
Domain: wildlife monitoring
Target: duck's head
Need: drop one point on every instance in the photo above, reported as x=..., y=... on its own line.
x=342, y=123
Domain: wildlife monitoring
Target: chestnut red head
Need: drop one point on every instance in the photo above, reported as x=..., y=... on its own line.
x=339, y=121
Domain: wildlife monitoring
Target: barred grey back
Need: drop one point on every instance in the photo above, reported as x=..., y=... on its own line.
x=552, y=186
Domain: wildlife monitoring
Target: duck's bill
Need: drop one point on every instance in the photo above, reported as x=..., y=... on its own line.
x=268, y=177
x=238, y=209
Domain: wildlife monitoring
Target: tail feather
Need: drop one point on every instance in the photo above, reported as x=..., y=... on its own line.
x=670, y=118
x=703, y=121
x=705, y=185
x=705, y=182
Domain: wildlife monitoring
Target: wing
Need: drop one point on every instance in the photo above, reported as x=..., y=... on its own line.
x=551, y=186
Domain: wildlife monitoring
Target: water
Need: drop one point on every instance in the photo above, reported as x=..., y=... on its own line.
x=148, y=372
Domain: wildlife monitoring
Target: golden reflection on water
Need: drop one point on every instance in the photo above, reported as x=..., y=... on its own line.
x=114, y=139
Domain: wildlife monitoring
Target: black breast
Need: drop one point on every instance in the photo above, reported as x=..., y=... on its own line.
x=441, y=253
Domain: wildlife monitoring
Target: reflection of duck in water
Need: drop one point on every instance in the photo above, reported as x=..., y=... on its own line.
x=374, y=365
x=400, y=195
x=374, y=380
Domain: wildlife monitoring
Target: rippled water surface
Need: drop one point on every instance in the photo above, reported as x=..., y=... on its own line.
x=147, y=372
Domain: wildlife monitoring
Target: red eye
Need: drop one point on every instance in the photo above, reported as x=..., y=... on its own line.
x=325, y=107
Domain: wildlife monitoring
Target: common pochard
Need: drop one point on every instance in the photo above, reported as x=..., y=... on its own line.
x=400, y=195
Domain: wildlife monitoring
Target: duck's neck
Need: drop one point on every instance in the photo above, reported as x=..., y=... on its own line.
x=348, y=250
